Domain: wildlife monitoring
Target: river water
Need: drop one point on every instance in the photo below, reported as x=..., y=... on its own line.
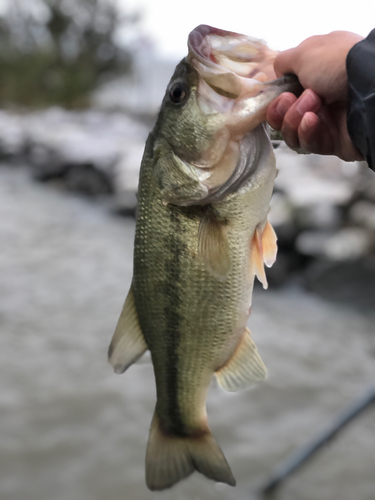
x=71, y=429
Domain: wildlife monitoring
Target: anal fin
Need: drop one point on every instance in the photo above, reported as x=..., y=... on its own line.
x=128, y=343
x=244, y=368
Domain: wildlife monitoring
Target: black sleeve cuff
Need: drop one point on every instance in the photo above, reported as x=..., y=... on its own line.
x=360, y=65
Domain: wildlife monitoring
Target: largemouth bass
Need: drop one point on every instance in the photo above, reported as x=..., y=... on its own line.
x=202, y=235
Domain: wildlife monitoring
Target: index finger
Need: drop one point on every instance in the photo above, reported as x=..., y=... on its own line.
x=285, y=62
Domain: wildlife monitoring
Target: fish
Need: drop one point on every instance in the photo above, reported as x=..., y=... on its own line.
x=202, y=235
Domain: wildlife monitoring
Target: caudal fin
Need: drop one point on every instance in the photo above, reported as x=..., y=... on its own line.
x=171, y=458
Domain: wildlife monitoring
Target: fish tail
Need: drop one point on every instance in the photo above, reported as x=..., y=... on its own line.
x=170, y=458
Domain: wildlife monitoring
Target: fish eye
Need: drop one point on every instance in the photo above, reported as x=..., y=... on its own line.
x=178, y=92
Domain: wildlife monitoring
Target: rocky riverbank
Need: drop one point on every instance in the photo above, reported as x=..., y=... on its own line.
x=323, y=209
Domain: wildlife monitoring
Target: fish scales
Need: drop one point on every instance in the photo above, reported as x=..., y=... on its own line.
x=182, y=285
x=202, y=235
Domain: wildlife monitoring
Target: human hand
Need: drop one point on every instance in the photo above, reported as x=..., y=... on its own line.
x=316, y=121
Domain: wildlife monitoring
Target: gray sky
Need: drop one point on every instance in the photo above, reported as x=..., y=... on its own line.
x=282, y=23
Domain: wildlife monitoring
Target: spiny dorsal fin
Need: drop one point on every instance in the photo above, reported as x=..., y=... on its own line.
x=213, y=245
x=263, y=250
x=128, y=343
x=244, y=368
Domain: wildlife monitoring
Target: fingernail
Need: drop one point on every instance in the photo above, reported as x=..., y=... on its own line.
x=307, y=102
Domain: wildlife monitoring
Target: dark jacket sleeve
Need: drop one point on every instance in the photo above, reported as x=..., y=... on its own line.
x=360, y=65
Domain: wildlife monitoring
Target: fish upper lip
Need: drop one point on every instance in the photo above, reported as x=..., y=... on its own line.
x=196, y=45
x=200, y=56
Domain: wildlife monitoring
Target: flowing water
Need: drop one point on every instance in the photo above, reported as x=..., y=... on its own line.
x=70, y=429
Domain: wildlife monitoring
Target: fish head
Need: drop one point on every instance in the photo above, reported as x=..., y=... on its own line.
x=216, y=97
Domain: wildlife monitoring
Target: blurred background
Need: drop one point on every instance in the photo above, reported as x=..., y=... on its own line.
x=81, y=82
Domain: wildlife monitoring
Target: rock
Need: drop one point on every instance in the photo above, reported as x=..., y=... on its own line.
x=350, y=282
x=287, y=264
x=345, y=244
x=86, y=178
x=126, y=169
x=126, y=175
x=319, y=216
x=349, y=244
x=92, y=142
x=282, y=219
x=306, y=182
x=12, y=134
x=312, y=243
x=126, y=203
x=363, y=214
x=281, y=211
x=366, y=182
x=84, y=137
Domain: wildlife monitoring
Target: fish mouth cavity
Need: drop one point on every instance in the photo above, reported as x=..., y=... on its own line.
x=230, y=63
x=232, y=69
x=236, y=83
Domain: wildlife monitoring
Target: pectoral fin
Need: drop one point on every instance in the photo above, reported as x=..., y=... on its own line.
x=269, y=241
x=128, y=343
x=263, y=251
x=213, y=246
x=244, y=368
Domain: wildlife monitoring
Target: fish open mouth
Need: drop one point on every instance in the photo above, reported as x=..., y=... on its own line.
x=234, y=71
x=236, y=84
x=230, y=63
